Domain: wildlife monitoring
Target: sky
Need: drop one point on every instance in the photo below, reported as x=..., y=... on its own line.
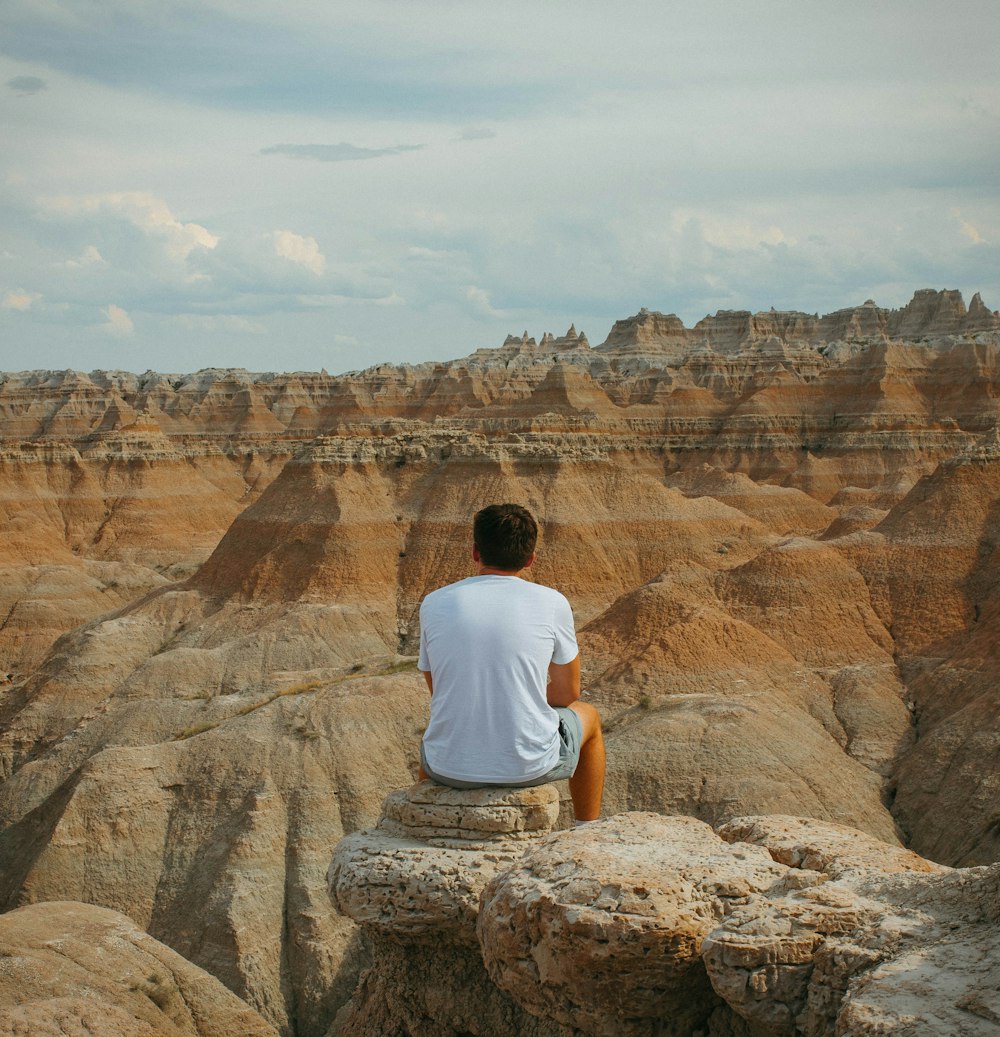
x=306, y=185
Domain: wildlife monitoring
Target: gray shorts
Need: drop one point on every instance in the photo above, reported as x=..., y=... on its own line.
x=570, y=739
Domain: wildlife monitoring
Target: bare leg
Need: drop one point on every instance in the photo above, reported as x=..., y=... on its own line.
x=587, y=784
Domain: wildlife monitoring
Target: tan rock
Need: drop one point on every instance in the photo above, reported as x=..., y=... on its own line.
x=413, y=883
x=889, y=945
x=766, y=688
x=600, y=928
x=805, y=928
x=422, y=869
x=738, y=673
x=71, y=970
x=215, y=834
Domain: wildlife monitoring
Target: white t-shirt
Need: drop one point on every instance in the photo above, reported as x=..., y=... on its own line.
x=487, y=642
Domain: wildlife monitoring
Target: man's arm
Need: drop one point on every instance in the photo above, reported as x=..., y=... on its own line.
x=564, y=683
x=422, y=775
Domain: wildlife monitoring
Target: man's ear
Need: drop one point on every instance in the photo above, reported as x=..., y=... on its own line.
x=527, y=564
x=475, y=553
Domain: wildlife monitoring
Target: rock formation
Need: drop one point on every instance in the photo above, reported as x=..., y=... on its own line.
x=75, y=969
x=778, y=532
x=864, y=398
x=209, y=822
x=413, y=884
x=643, y=924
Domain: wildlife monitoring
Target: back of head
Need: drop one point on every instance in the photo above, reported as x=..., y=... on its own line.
x=505, y=535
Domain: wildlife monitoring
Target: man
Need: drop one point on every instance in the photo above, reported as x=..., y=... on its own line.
x=500, y=658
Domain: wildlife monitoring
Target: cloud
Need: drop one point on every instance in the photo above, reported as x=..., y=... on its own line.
x=480, y=299
x=19, y=300
x=476, y=133
x=119, y=323
x=970, y=231
x=26, y=86
x=298, y=249
x=728, y=233
x=224, y=322
x=144, y=211
x=342, y=152
x=90, y=256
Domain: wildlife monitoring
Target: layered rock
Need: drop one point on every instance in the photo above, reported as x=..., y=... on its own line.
x=413, y=883
x=776, y=530
x=877, y=944
x=91, y=526
x=740, y=391
x=75, y=969
x=600, y=929
x=929, y=314
x=210, y=821
x=934, y=572
x=642, y=924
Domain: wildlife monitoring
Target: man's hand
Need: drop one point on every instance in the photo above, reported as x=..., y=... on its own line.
x=564, y=683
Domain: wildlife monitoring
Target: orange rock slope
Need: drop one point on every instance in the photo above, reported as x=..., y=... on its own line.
x=778, y=532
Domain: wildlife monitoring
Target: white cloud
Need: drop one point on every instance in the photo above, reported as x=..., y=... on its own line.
x=90, y=256
x=298, y=249
x=480, y=299
x=19, y=300
x=970, y=231
x=730, y=232
x=144, y=211
x=119, y=323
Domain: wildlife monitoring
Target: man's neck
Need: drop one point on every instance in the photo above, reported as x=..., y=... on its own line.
x=489, y=570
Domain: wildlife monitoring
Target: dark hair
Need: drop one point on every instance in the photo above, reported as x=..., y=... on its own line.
x=505, y=535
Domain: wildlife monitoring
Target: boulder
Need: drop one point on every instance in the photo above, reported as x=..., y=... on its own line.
x=74, y=970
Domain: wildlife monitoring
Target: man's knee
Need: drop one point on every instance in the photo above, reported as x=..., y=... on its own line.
x=590, y=719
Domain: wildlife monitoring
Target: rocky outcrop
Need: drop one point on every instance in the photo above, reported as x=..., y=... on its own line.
x=873, y=944
x=73, y=969
x=600, y=929
x=209, y=821
x=642, y=924
x=413, y=884
x=933, y=568
x=930, y=314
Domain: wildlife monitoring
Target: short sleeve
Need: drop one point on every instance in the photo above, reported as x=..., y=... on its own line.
x=423, y=662
x=565, y=649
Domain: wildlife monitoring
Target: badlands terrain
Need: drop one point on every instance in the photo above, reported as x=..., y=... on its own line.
x=780, y=534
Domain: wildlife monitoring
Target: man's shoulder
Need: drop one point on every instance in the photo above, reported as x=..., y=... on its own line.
x=542, y=590
x=535, y=596
x=442, y=593
x=501, y=587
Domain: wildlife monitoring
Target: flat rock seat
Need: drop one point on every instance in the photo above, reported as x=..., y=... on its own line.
x=422, y=868
x=443, y=816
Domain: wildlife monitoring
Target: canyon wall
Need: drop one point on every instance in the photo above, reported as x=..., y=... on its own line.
x=779, y=533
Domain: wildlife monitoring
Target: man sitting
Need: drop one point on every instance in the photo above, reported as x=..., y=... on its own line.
x=500, y=658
